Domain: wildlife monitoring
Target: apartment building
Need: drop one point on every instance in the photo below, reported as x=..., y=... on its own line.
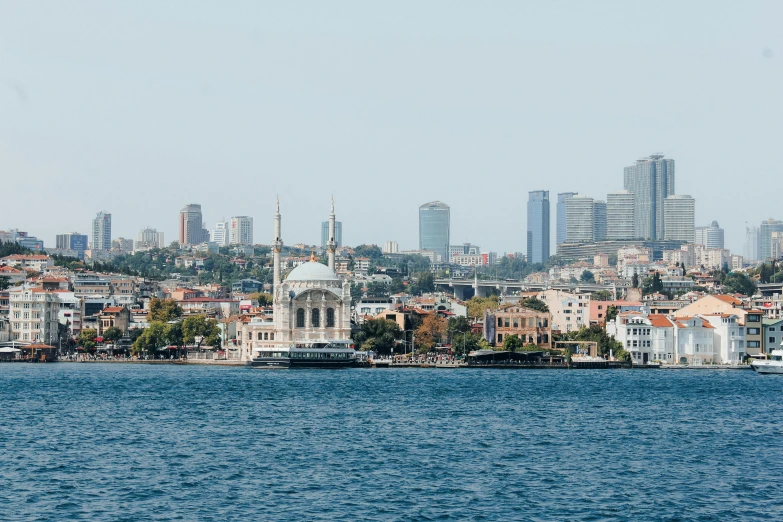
x=33, y=313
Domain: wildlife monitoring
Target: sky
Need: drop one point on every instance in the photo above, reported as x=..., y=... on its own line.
x=139, y=108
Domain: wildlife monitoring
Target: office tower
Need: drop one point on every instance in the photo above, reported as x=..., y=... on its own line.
x=240, y=230
x=580, y=224
x=561, y=215
x=710, y=237
x=765, y=237
x=620, y=215
x=191, y=226
x=538, y=226
x=651, y=180
x=338, y=233
x=73, y=241
x=391, y=247
x=599, y=221
x=149, y=238
x=220, y=234
x=751, y=250
x=679, y=218
x=101, y=231
x=434, y=228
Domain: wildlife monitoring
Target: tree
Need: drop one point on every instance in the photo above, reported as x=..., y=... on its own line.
x=478, y=305
x=86, y=339
x=370, y=251
x=173, y=334
x=5, y=282
x=601, y=295
x=535, y=304
x=635, y=280
x=457, y=325
x=378, y=335
x=424, y=283
x=611, y=313
x=512, y=343
x=164, y=310
x=263, y=298
x=430, y=332
x=596, y=333
x=464, y=343
x=112, y=334
x=152, y=338
x=587, y=277
x=739, y=283
x=198, y=329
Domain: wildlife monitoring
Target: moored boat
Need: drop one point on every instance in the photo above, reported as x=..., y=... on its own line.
x=307, y=354
x=773, y=365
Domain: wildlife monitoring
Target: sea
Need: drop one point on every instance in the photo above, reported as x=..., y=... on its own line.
x=134, y=442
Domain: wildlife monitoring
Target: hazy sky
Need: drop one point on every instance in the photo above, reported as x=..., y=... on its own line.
x=141, y=107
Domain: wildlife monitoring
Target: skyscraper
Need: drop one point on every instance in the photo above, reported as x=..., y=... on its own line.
x=599, y=221
x=338, y=233
x=710, y=237
x=679, y=218
x=580, y=225
x=240, y=230
x=751, y=250
x=538, y=226
x=148, y=238
x=72, y=241
x=220, y=234
x=434, y=228
x=191, y=226
x=561, y=215
x=101, y=231
x=651, y=180
x=620, y=215
x=765, y=237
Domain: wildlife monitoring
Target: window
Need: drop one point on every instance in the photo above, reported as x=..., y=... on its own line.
x=516, y=322
x=266, y=336
x=300, y=317
x=753, y=331
x=500, y=338
x=771, y=340
x=259, y=336
x=330, y=317
x=751, y=344
x=771, y=328
x=500, y=322
x=315, y=318
x=272, y=336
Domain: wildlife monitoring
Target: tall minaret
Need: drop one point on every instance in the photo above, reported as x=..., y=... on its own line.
x=277, y=247
x=331, y=245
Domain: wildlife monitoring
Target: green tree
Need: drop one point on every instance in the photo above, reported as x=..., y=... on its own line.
x=464, y=343
x=535, y=304
x=370, y=251
x=173, y=334
x=164, y=310
x=587, y=277
x=379, y=335
x=263, y=298
x=86, y=339
x=424, y=283
x=112, y=334
x=200, y=330
x=739, y=283
x=457, y=325
x=152, y=338
x=596, y=333
x=512, y=343
x=611, y=313
x=430, y=332
x=635, y=280
x=5, y=282
x=478, y=305
x=601, y=295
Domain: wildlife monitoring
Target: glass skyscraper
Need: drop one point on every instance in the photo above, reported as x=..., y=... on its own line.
x=434, y=227
x=765, y=237
x=651, y=180
x=538, y=226
x=338, y=233
x=561, y=215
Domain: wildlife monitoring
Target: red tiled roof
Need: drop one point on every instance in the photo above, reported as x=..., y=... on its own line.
x=659, y=321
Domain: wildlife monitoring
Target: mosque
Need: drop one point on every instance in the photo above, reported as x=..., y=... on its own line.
x=311, y=303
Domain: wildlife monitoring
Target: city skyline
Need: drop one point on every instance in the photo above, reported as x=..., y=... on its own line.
x=455, y=137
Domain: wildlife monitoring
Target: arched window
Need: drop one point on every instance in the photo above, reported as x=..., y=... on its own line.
x=272, y=336
x=266, y=336
x=259, y=336
x=315, y=318
x=330, y=317
x=500, y=321
x=300, y=317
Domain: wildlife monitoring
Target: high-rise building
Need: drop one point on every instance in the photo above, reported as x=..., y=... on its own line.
x=579, y=219
x=338, y=233
x=651, y=180
x=538, y=226
x=101, y=231
x=72, y=241
x=149, y=238
x=710, y=237
x=679, y=218
x=434, y=228
x=122, y=245
x=240, y=231
x=220, y=234
x=391, y=247
x=191, y=226
x=751, y=250
x=620, y=215
x=599, y=221
x=561, y=215
x=765, y=237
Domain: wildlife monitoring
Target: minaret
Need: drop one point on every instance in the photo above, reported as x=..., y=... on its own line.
x=277, y=247
x=331, y=245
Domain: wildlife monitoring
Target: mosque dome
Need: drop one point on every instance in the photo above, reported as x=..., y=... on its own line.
x=312, y=271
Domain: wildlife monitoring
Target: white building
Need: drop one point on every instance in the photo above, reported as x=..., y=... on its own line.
x=391, y=247
x=647, y=338
x=619, y=215
x=33, y=314
x=728, y=338
x=149, y=238
x=710, y=237
x=570, y=311
x=579, y=219
x=679, y=218
x=695, y=341
x=101, y=231
x=240, y=230
x=36, y=262
x=220, y=234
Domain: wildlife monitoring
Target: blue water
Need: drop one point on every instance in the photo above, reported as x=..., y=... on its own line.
x=122, y=442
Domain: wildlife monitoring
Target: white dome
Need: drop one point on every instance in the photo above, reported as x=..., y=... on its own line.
x=312, y=271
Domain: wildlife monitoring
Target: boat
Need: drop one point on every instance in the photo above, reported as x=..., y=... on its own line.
x=307, y=354
x=773, y=365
